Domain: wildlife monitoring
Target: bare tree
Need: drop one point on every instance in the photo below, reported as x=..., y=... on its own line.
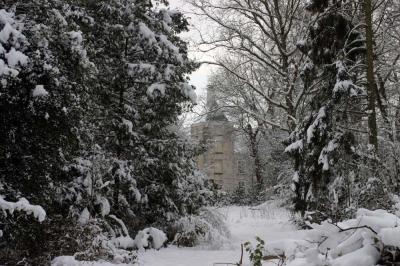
x=258, y=42
x=373, y=130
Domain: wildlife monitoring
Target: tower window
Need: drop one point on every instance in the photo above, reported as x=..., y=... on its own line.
x=218, y=167
x=219, y=145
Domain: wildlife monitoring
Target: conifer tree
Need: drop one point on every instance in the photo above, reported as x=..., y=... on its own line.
x=141, y=90
x=90, y=94
x=332, y=46
x=43, y=66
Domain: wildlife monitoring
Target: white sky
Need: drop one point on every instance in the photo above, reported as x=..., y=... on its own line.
x=200, y=77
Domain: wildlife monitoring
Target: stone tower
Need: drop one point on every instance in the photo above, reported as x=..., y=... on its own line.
x=219, y=161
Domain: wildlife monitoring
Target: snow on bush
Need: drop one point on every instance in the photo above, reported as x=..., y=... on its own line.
x=23, y=205
x=71, y=261
x=77, y=47
x=298, y=145
x=107, y=239
x=207, y=230
x=39, y=91
x=147, y=69
x=150, y=238
x=354, y=242
x=157, y=89
x=15, y=58
x=11, y=39
x=317, y=124
x=145, y=239
x=129, y=125
x=84, y=217
x=346, y=85
x=189, y=92
x=124, y=242
x=94, y=241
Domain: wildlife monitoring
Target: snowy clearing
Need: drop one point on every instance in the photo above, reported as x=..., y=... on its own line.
x=245, y=223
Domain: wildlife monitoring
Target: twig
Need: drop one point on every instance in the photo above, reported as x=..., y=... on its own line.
x=364, y=226
x=278, y=257
x=241, y=256
x=354, y=228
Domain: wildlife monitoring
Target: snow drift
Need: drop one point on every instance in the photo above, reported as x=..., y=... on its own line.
x=354, y=242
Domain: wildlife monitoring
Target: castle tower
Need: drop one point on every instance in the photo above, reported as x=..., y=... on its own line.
x=218, y=162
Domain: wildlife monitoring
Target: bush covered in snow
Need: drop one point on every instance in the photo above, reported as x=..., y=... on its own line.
x=207, y=229
x=106, y=240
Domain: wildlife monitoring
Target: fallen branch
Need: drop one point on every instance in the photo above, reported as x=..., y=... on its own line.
x=271, y=257
x=359, y=227
x=354, y=228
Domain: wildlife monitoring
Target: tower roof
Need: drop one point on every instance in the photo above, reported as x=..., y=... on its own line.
x=215, y=113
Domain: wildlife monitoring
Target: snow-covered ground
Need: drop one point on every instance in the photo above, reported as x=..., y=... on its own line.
x=355, y=242
x=267, y=221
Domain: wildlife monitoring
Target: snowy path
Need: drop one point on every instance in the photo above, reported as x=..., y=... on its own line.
x=266, y=221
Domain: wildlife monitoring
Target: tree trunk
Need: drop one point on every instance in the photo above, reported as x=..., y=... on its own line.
x=373, y=130
x=117, y=181
x=255, y=154
x=396, y=126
